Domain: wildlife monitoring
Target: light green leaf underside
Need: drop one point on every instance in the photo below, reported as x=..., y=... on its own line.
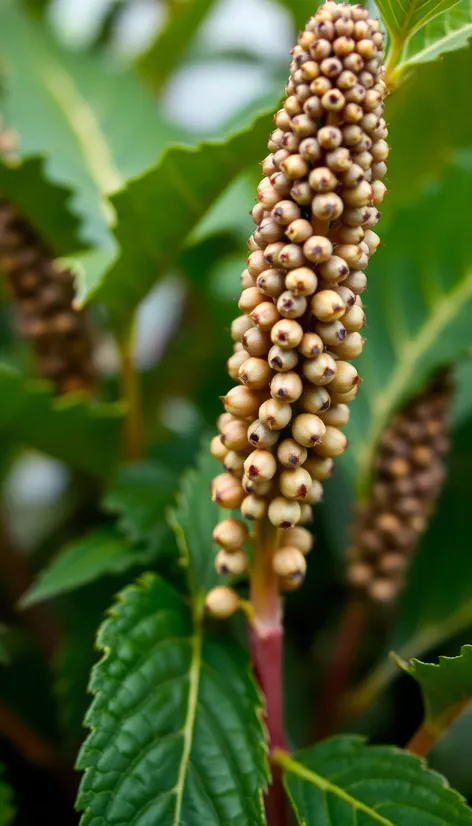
x=446, y=687
x=156, y=212
x=176, y=732
x=449, y=31
x=98, y=554
x=418, y=309
x=7, y=809
x=193, y=521
x=404, y=17
x=342, y=782
x=81, y=433
x=81, y=113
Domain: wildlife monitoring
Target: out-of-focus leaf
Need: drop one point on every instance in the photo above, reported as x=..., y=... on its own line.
x=7, y=809
x=81, y=433
x=193, y=521
x=449, y=31
x=95, y=123
x=140, y=495
x=176, y=733
x=100, y=553
x=446, y=687
x=173, y=40
x=156, y=212
x=342, y=781
x=402, y=20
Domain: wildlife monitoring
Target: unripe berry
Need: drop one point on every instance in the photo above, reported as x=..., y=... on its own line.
x=287, y=333
x=281, y=359
x=285, y=212
x=319, y=468
x=346, y=377
x=272, y=254
x=271, y=282
x=291, y=454
x=302, y=193
x=356, y=281
x=234, y=463
x=274, y=414
x=291, y=256
x=315, y=400
x=334, y=269
x=255, y=373
x=260, y=464
x=256, y=342
x=259, y=487
x=354, y=319
x=280, y=182
x=231, y=564
x=247, y=280
x=286, y=387
x=265, y=315
x=306, y=514
x=253, y=507
x=299, y=231
x=224, y=419
x=317, y=249
x=309, y=148
x=260, y=436
x=217, y=448
x=344, y=398
x=230, y=534
x=329, y=137
x=221, y=602
x=284, y=513
x=322, y=179
x=320, y=370
x=239, y=326
x=241, y=401
x=327, y=305
x=234, y=363
x=350, y=347
x=304, y=126
x=290, y=305
x=256, y=263
x=301, y=281
x=332, y=444
x=336, y=416
x=227, y=491
x=315, y=493
x=294, y=167
x=290, y=562
x=308, y=429
x=310, y=345
x=295, y=484
x=298, y=538
x=268, y=232
x=339, y=160
x=327, y=207
x=379, y=189
x=266, y=194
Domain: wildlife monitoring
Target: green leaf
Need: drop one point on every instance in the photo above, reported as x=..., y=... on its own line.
x=139, y=495
x=402, y=20
x=43, y=203
x=172, y=41
x=81, y=433
x=180, y=189
x=342, y=781
x=176, y=734
x=7, y=809
x=193, y=521
x=419, y=301
x=446, y=687
x=80, y=112
x=449, y=31
x=99, y=553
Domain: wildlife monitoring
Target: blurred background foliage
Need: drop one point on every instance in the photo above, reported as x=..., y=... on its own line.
x=96, y=91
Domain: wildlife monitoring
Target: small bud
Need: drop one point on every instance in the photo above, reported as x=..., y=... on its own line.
x=274, y=414
x=284, y=513
x=234, y=363
x=256, y=263
x=319, y=468
x=285, y=212
x=268, y=231
x=230, y=534
x=346, y=377
x=327, y=207
x=224, y=419
x=253, y=507
x=295, y=484
x=315, y=400
x=290, y=562
x=320, y=370
x=282, y=360
x=294, y=167
x=334, y=269
x=260, y=436
x=231, y=564
x=354, y=319
x=217, y=448
x=286, y=387
x=287, y=333
x=247, y=280
x=241, y=401
x=356, y=281
x=322, y=179
x=333, y=443
x=304, y=126
x=318, y=249
x=350, y=347
x=239, y=326
x=306, y=514
x=301, y=281
x=255, y=373
x=302, y=193
x=259, y=487
x=260, y=464
x=315, y=493
x=290, y=305
x=336, y=416
x=310, y=148
x=291, y=256
x=327, y=305
x=358, y=196
x=379, y=189
x=291, y=454
x=265, y=315
x=227, y=491
x=298, y=538
x=271, y=282
x=308, y=429
x=329, y=137
x=256, y=342
x=311, y=345
x=234, y=463
x=221, y=602
x=299, y=231
x=339, y=160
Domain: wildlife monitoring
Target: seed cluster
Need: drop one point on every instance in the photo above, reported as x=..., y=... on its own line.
x=408, y=477
x=43, y=297
x=301, y=306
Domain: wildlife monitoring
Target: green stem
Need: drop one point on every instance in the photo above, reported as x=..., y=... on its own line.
x=132, y=398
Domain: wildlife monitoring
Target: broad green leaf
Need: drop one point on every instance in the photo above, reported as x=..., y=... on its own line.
x=173, y=40
x=98, y=554
x=176, y=735
x=179, y=190
x=449, y=31
x=446, y=687
x=82, y=433
x=81, y=112
x=43, y=203
x=418, y=306
x=193, y=521
x=7, y=809
x=139, y=495
x=342, y=781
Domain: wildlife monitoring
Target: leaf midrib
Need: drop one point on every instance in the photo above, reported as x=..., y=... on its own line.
x=418, y=57
x=298, y=769
x=386, y=402
x=188, y=728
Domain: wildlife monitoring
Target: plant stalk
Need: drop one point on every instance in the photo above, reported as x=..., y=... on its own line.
x=266, y=646
x=132, y=399
x=422, y=741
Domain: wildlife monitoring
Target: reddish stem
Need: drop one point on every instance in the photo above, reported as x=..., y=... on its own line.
x=339, y=671
x=266, y=647
x=422, y=741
